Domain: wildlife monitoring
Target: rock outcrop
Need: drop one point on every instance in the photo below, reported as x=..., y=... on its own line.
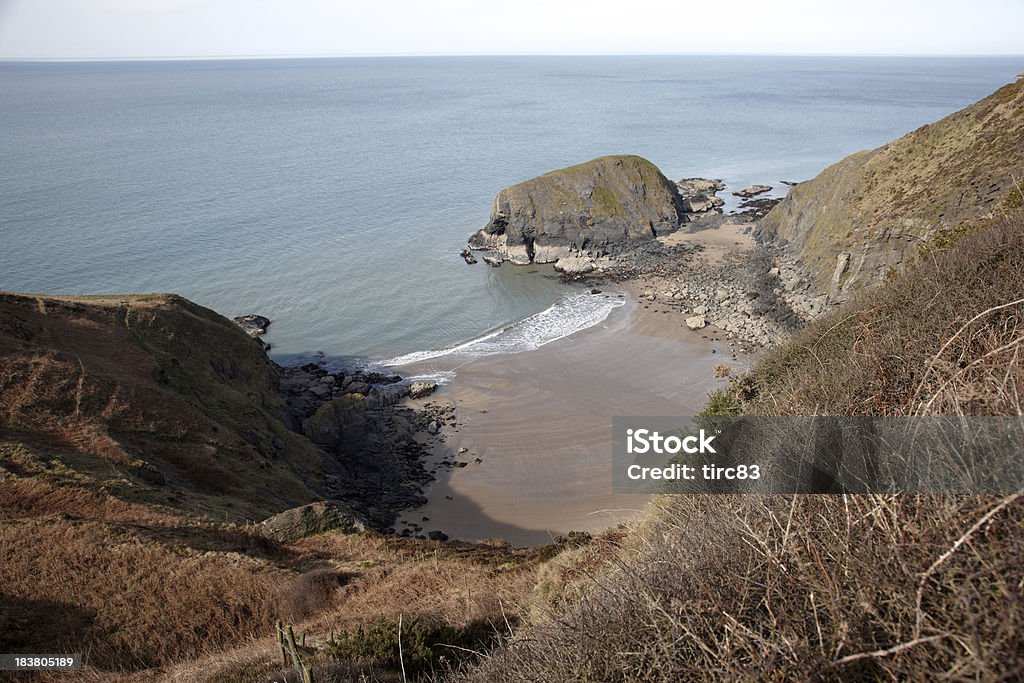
x=585, y=211
x=699, y=194
x=871, y=211
x=253, y=325
x=752, y=191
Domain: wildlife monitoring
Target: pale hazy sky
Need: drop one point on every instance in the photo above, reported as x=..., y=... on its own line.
x=69, y=29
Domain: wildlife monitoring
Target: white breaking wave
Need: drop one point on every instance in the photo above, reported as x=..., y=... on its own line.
x=440, y=378
x=571, y=314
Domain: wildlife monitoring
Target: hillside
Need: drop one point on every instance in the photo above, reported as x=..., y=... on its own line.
x=824, y=587
x=169, y=401
x=871, y=211
x=140, y=437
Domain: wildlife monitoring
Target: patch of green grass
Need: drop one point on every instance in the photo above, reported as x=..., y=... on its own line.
x=606, y=202
x=721, y=404
x=424, y=648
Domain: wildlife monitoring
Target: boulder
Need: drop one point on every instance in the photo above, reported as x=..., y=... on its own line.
x=701, y=203
x=578, y=211
x=575, y=265
x=752, y=191
x=696, y=322
x=689, y=187
x=314, y=518
x=698, y=194
x=254, y=325
x=356, y=387
x=421, y=388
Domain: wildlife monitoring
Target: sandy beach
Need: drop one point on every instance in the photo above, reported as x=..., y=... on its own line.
x=540, y=423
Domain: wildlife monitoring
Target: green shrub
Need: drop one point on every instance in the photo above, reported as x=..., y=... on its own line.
x=425, y=647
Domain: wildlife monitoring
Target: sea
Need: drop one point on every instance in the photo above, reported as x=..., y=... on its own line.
x=334, y=195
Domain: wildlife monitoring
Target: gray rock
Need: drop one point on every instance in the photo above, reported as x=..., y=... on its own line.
x=575, y=265
x=696, y=322
x=421, y=388
x=689, y=187
x=254, y=325
x=320, y=390
x=752, y=191
x=357, y=388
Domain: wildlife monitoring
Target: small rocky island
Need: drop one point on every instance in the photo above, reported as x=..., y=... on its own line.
x=580, y=212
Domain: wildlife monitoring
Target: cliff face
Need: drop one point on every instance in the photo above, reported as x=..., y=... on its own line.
x=869, y=212
x=580, y=210
x=172, y=401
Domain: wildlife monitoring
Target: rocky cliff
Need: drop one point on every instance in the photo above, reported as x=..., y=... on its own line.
x=870, y=212
x=585, y=210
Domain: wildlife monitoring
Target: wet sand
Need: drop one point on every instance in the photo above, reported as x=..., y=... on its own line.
x=540, y=422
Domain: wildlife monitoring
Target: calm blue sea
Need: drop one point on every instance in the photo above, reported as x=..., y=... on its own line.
x=334, y=195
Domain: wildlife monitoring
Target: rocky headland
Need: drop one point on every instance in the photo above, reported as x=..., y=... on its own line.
x=581, y=212
x=187, y=409
x=618, y=219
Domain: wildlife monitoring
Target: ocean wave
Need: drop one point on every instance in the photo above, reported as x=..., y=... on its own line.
x=567, y=316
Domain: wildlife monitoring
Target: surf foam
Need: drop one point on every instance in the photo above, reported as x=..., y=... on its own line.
x=567, y=316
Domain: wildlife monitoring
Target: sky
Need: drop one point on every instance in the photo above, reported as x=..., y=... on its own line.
x=127, y=29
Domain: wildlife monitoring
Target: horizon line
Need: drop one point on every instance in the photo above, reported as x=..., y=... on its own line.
x=387, y=55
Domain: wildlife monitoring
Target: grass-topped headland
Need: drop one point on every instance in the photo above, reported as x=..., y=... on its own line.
x=581, y=210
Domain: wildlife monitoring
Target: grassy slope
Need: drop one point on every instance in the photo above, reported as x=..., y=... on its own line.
x=880, y=204
x=97, y=394
x=122, y=387
x=713, y=588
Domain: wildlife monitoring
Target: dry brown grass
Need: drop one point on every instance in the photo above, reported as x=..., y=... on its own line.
x=139, y=589
x=829, y=588
x=943, y=338
x=127, y=599
x=156, y=381
x=795, y=588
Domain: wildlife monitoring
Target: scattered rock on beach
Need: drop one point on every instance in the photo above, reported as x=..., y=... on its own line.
x=422, y=388
x=697, y=322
